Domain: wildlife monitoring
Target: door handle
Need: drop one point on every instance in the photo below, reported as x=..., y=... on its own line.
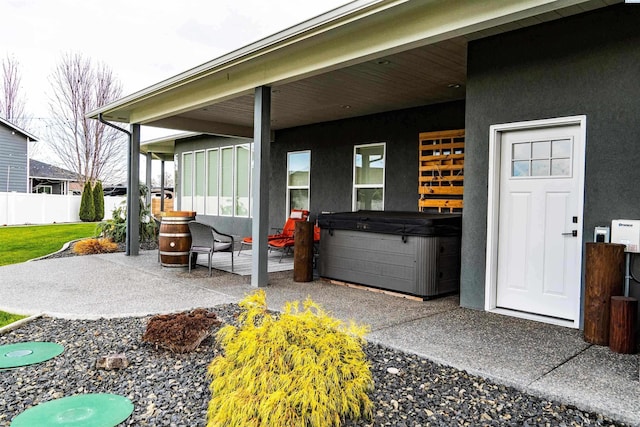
x=573, y=233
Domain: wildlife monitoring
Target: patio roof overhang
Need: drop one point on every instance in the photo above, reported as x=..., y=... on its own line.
x=365, y=57
x=162, y=148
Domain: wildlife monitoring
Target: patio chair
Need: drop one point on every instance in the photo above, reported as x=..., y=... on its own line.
x=285, y=232
x=286, y=244
x=206, y=239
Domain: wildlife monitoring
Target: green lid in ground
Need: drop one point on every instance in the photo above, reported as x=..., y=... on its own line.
x=27, y=353
x=86, y=410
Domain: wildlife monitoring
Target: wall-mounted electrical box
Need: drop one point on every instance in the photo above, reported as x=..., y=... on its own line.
x=601, y=234
x=627, y=232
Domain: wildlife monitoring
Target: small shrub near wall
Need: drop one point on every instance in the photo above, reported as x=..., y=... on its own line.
x=94, y=246
x=299, y=368
x=116, y=227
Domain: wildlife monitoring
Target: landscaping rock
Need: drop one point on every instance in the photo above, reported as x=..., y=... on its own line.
x=112, y=361
x=171, y=389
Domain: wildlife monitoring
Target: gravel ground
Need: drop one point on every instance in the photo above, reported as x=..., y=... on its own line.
x=171, y=389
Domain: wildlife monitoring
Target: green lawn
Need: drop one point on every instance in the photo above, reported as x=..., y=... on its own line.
x=19, y=244
x=6, y=318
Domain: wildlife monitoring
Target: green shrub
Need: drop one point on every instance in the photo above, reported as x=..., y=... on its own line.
x=116, y=227
x=87, y=210
x=98, y=201
x=301, y=368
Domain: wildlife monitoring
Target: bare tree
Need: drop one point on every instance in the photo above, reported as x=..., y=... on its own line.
x=85, y=146
x=11, y=102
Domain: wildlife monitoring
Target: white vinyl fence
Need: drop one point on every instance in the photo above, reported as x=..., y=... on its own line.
x=30, y=208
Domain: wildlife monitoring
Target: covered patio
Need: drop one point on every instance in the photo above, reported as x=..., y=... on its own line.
x=350, y=62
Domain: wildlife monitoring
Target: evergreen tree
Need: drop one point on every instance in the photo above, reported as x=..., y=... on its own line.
x=98, y=201
x=87, y=210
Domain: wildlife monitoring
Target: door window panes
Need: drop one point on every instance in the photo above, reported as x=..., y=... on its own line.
x=541, y=158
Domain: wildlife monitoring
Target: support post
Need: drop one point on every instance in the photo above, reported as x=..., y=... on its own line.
x=147, y=177
x=133, y=193
x=162, y=185
x=260, y=206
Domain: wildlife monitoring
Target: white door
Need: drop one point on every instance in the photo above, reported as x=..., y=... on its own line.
x=540, y=221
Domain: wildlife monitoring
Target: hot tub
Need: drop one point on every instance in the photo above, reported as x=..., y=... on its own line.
x=409, y=252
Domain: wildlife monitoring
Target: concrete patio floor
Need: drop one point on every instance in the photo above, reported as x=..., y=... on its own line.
x=545, y=360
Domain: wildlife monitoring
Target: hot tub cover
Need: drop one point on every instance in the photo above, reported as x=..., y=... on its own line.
x=394, y=222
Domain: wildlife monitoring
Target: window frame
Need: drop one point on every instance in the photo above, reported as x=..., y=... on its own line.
x=236, y=175
x=208, y=208
x=356, y=186
x=183, y=175
x=297, y=187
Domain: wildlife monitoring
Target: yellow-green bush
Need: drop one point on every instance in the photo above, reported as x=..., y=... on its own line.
x=299, y=368
x=94, y=246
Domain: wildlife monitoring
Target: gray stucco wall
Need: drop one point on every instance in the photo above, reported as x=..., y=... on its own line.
x=331, y=146
x=587, y=64
x=13, y=152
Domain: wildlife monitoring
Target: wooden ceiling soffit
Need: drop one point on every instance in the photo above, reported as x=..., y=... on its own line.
x=204, y=126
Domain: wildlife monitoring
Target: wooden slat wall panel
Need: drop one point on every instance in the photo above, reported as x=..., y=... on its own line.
x=441, y=171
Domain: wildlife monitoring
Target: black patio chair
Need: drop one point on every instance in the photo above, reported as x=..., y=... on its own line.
x=206, y=239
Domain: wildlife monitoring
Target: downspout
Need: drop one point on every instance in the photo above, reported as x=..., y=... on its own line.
x=130, y=199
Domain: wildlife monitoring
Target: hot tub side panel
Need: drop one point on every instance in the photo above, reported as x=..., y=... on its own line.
x=417, y=265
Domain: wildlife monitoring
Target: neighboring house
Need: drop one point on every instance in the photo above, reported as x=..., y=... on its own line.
x=547, y=92
x=14, y=157
x=49, y=179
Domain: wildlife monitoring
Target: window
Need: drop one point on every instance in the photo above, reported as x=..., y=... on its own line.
x=243, y=180
x=186, y=200
x=368, y=177
x=217, y=181
x=199, y=182
x=226, y=181
x=541, y=158
x=213, y=167
x=46, y=189
x=298, y=168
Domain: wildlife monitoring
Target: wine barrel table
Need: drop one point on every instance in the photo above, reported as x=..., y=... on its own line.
x=174, y=239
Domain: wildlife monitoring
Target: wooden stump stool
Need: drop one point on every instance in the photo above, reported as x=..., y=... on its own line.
x=622, y=331
x=303, y=252
x=604, y=276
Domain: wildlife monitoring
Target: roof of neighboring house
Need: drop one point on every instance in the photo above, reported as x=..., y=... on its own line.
x=38, y=169
x=15, y=128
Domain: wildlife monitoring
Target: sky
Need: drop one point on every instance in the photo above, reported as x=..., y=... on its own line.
x=143, y=41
